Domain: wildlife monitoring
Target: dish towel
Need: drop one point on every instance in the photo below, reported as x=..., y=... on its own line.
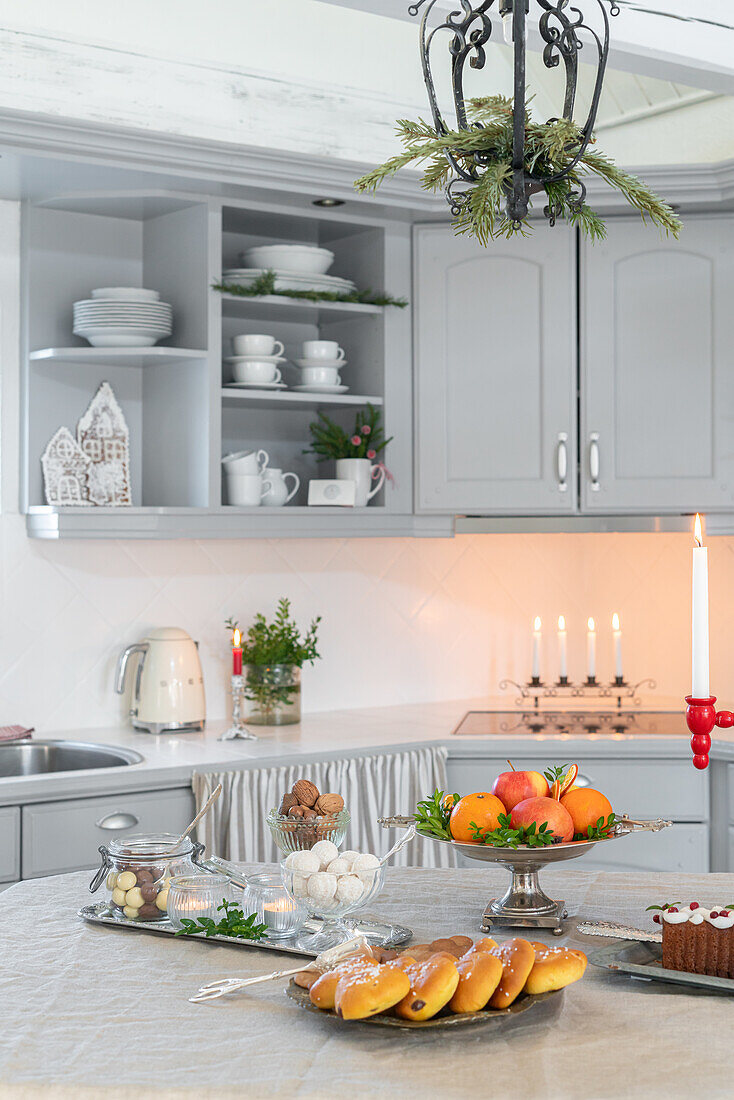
x=374, y=786
x=15, y=733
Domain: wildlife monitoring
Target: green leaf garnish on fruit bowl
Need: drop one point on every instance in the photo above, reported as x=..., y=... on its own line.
x=602, y=830
x=530, y=836
x=234, y=923
x=433, y=814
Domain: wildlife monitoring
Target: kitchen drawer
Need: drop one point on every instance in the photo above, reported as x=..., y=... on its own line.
x=65, y=836
x=640, y=788
x=680, y=848
x=730, y=794
x=9, y=843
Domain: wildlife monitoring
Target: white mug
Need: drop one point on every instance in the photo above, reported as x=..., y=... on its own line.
x=245, y=490
x=255, y=370
x=362, y=472
x=322, y=349
x=320, y=376
x=276, y=492
x=245, y=462
x=256, y=344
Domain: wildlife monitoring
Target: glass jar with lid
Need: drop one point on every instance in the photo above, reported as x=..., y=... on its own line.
x=137, y=871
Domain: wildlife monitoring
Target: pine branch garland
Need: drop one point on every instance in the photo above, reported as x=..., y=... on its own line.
x=485, y=152
x=264, y=284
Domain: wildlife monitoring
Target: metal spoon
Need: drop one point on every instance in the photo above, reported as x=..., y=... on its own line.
x=204, y=810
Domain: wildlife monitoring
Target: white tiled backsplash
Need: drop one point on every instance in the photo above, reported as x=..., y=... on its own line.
x=403, y=620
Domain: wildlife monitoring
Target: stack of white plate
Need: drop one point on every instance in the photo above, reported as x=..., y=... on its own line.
x=289, y=280
x=123, y=317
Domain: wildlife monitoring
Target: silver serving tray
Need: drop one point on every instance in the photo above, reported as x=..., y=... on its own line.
x=375, y=932
x=444, y=1019
x=644, y=962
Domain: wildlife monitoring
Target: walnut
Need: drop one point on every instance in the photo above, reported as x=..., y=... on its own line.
x=295, y=811
x=328, y=804
x=306, y=792
x=289, y=800
x=308, y=813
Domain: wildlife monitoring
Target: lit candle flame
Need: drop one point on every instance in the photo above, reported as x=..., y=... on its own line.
x=615, y=621
x=697, y=531
x=236, y=638
x=561, y=622
x=591, y=624
x=536, y=623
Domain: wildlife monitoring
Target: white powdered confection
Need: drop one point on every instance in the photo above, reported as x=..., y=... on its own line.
x=300, y=885
x=365, y=866
x=305, y=862
x=349, y=889
x=325, y=852
x=699, y=915
x=339, y=866
x=349, y=855
x=322, y=887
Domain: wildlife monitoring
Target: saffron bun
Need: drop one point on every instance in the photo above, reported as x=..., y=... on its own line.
x=518, y=958
x=464, y=942
x=421, y=952
x=480, y=972
x=365, y=992
x=554, y=968
x=487, y=944
x=447, y=944
x=432, y=984
x=323, y=990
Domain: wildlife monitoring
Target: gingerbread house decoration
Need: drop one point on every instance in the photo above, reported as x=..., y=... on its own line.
x=65, y=471
x=104, y=438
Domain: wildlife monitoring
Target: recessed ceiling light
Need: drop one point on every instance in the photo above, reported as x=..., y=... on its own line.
x=328, y=202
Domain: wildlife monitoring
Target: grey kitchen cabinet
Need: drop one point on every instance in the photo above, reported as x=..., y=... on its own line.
x=9, y=843
x=495, y=373
x=64, y=836
x=657, y=384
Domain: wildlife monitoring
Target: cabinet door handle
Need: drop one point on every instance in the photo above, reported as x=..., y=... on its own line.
x=582, y=780
x=117, y=820
x=594, y=461
x=562, y=462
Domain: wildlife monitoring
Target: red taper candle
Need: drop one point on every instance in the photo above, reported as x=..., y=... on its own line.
x=236, y=652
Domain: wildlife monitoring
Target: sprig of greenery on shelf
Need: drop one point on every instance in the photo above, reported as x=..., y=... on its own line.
x=234, y=923
x=265, y=284
x=602, y=830
x=550, y=148
x=505, y=836
x=432, y=815
x=330, y=441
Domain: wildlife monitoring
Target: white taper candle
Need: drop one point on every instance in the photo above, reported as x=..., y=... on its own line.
x=700, y=618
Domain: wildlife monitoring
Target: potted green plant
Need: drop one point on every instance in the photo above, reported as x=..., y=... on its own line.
x=273, y=654
x=354, y=452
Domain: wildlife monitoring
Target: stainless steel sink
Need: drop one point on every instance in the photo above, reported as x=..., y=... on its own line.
x=39, y=757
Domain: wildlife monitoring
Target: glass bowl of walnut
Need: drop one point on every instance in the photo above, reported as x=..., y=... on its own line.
x=306, y=816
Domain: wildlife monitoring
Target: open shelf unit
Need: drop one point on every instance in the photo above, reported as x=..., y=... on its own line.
x=182, y=415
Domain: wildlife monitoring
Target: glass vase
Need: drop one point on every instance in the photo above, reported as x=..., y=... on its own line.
x=272, y=695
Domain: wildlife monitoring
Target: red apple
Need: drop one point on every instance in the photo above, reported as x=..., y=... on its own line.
x=514, y=787
x=544, y=810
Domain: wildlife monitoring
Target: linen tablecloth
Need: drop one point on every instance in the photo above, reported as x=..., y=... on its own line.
x=90, y=1011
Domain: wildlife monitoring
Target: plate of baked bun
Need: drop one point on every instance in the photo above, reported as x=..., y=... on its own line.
x=446, y=983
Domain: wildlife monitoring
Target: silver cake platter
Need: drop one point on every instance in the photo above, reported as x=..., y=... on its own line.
x=525, y=904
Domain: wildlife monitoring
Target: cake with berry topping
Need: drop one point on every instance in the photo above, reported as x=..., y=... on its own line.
x=697, y=939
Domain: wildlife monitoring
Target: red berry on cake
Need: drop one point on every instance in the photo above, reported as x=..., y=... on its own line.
x=656, y=919
x=713, y=914
x=672, y=909
x=724, y=913
x=693, y=905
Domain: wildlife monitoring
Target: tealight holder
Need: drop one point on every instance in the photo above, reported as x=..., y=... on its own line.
x=266, y=895
x=193, y=897
x=701, y=717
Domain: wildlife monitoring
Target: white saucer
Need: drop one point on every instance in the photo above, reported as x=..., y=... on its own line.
x=320, y=362
x=257, y=385
x=319, y=389
x=255, y=359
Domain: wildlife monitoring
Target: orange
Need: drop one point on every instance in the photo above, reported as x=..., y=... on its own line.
x=483, y=809
x=586, y=806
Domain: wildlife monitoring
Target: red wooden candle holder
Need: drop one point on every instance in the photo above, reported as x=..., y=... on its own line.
x=701, y=717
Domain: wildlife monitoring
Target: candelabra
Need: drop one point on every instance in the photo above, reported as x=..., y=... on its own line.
x=590, y=688
x=701, y=717
x=238, y=729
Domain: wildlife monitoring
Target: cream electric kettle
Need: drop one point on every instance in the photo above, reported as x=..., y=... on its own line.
x=168, y=694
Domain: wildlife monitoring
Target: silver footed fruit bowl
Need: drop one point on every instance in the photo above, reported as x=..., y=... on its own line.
x=299, y=835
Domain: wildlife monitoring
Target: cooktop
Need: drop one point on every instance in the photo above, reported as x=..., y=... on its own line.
x=481, y=723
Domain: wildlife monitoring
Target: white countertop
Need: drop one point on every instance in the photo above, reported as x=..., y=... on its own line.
x=169, y=759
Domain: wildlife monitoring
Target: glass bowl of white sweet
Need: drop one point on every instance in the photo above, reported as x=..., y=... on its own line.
x=331, y=885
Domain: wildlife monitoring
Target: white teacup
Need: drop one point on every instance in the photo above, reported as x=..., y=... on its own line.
x=245, y=462
x=320, y=376
x=255, y=370
x=245, y=490
x=256, y=344
x=322, y=349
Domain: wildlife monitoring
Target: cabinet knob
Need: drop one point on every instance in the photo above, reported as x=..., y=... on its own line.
x=594, y=461
x=562, y=462
x=117, y=820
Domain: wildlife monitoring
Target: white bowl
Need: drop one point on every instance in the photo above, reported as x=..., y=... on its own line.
x=121, y=337
x=131, y=293
x=303, y=258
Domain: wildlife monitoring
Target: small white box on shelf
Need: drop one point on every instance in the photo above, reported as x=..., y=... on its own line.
x=337, y=491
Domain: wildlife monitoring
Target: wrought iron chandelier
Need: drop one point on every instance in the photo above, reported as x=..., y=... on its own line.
x=563, y=30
